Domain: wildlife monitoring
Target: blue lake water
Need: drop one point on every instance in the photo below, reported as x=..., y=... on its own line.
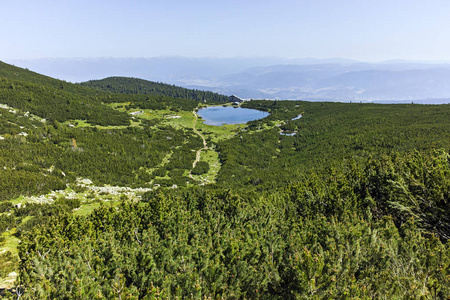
x=219, y=115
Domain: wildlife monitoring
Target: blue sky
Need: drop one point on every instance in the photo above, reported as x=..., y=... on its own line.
x=360, y=29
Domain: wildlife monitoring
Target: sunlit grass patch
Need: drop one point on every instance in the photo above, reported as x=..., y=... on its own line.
x=212, y=158
x=11, y=242
x=8, y=261
x=218, y=133
x=86, y=209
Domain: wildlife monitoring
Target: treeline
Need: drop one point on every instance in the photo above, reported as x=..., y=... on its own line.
x=151, y=102
x=366, y=231
x=126, y=85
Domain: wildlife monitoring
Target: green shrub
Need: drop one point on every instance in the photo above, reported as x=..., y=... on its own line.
x=202, y=167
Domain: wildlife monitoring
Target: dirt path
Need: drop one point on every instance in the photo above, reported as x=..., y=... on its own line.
x=199, y=152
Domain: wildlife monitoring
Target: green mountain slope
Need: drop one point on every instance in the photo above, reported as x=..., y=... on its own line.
x=325, y=135
x=24, y=75
x=31, y=146
x=128, y=85
x=354, y=205
x=54, y=99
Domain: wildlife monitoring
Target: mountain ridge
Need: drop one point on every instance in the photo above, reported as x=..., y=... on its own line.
x=267, y=78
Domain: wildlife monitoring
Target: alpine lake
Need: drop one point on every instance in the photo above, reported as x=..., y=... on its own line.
x=220, y=115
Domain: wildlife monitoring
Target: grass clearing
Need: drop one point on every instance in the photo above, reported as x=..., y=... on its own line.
x=11, y=242
x=83, y=123
x=183, y=119
x=218, y=133
x=86, y=209
x=212, y=158
x=180, y=119
x=77, y=123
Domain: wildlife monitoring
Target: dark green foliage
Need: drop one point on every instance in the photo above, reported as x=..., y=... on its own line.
x=401, y=186
x=56, y=104
x=52, y=156
x=8, y=263
x=40, y=215
x=5, y=206
x=327, y=134
x=22, y=182
x=127, y=85
x=24, y=75
x=160, y=172
x=55, y=99
x=143, y=94
x=69, y=203
x=45, y=210
x=214, y=243
x=7, y=222
x=158, y=102
x=202, y=167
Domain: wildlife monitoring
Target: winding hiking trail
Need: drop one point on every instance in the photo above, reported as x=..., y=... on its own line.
x=205, y=145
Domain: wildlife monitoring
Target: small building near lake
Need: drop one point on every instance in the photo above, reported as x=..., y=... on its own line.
x=235, y=99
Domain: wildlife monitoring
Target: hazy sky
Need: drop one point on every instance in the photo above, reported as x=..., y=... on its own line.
x=366, y=30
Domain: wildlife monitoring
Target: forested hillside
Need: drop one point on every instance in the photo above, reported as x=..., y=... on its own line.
x=128, y=195
x=45, y=128
x=126, y=85
x=54, y=99
x=325, y=135
x=11, y=72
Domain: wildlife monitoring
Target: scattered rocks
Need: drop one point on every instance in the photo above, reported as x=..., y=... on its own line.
x=84, y=181
x=137, y=113
x=112, y=190
x=116, y=190
x=103, y=192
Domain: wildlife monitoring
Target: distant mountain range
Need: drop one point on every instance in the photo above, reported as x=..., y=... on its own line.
x=332, y=79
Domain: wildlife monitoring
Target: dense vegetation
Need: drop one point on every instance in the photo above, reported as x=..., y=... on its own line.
x=11, y=72
x=324, y=237
x=326, y=134
x=52, y=155
x=354, y=205
x=143, y=94
x=127, y=85
x=57, y=104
